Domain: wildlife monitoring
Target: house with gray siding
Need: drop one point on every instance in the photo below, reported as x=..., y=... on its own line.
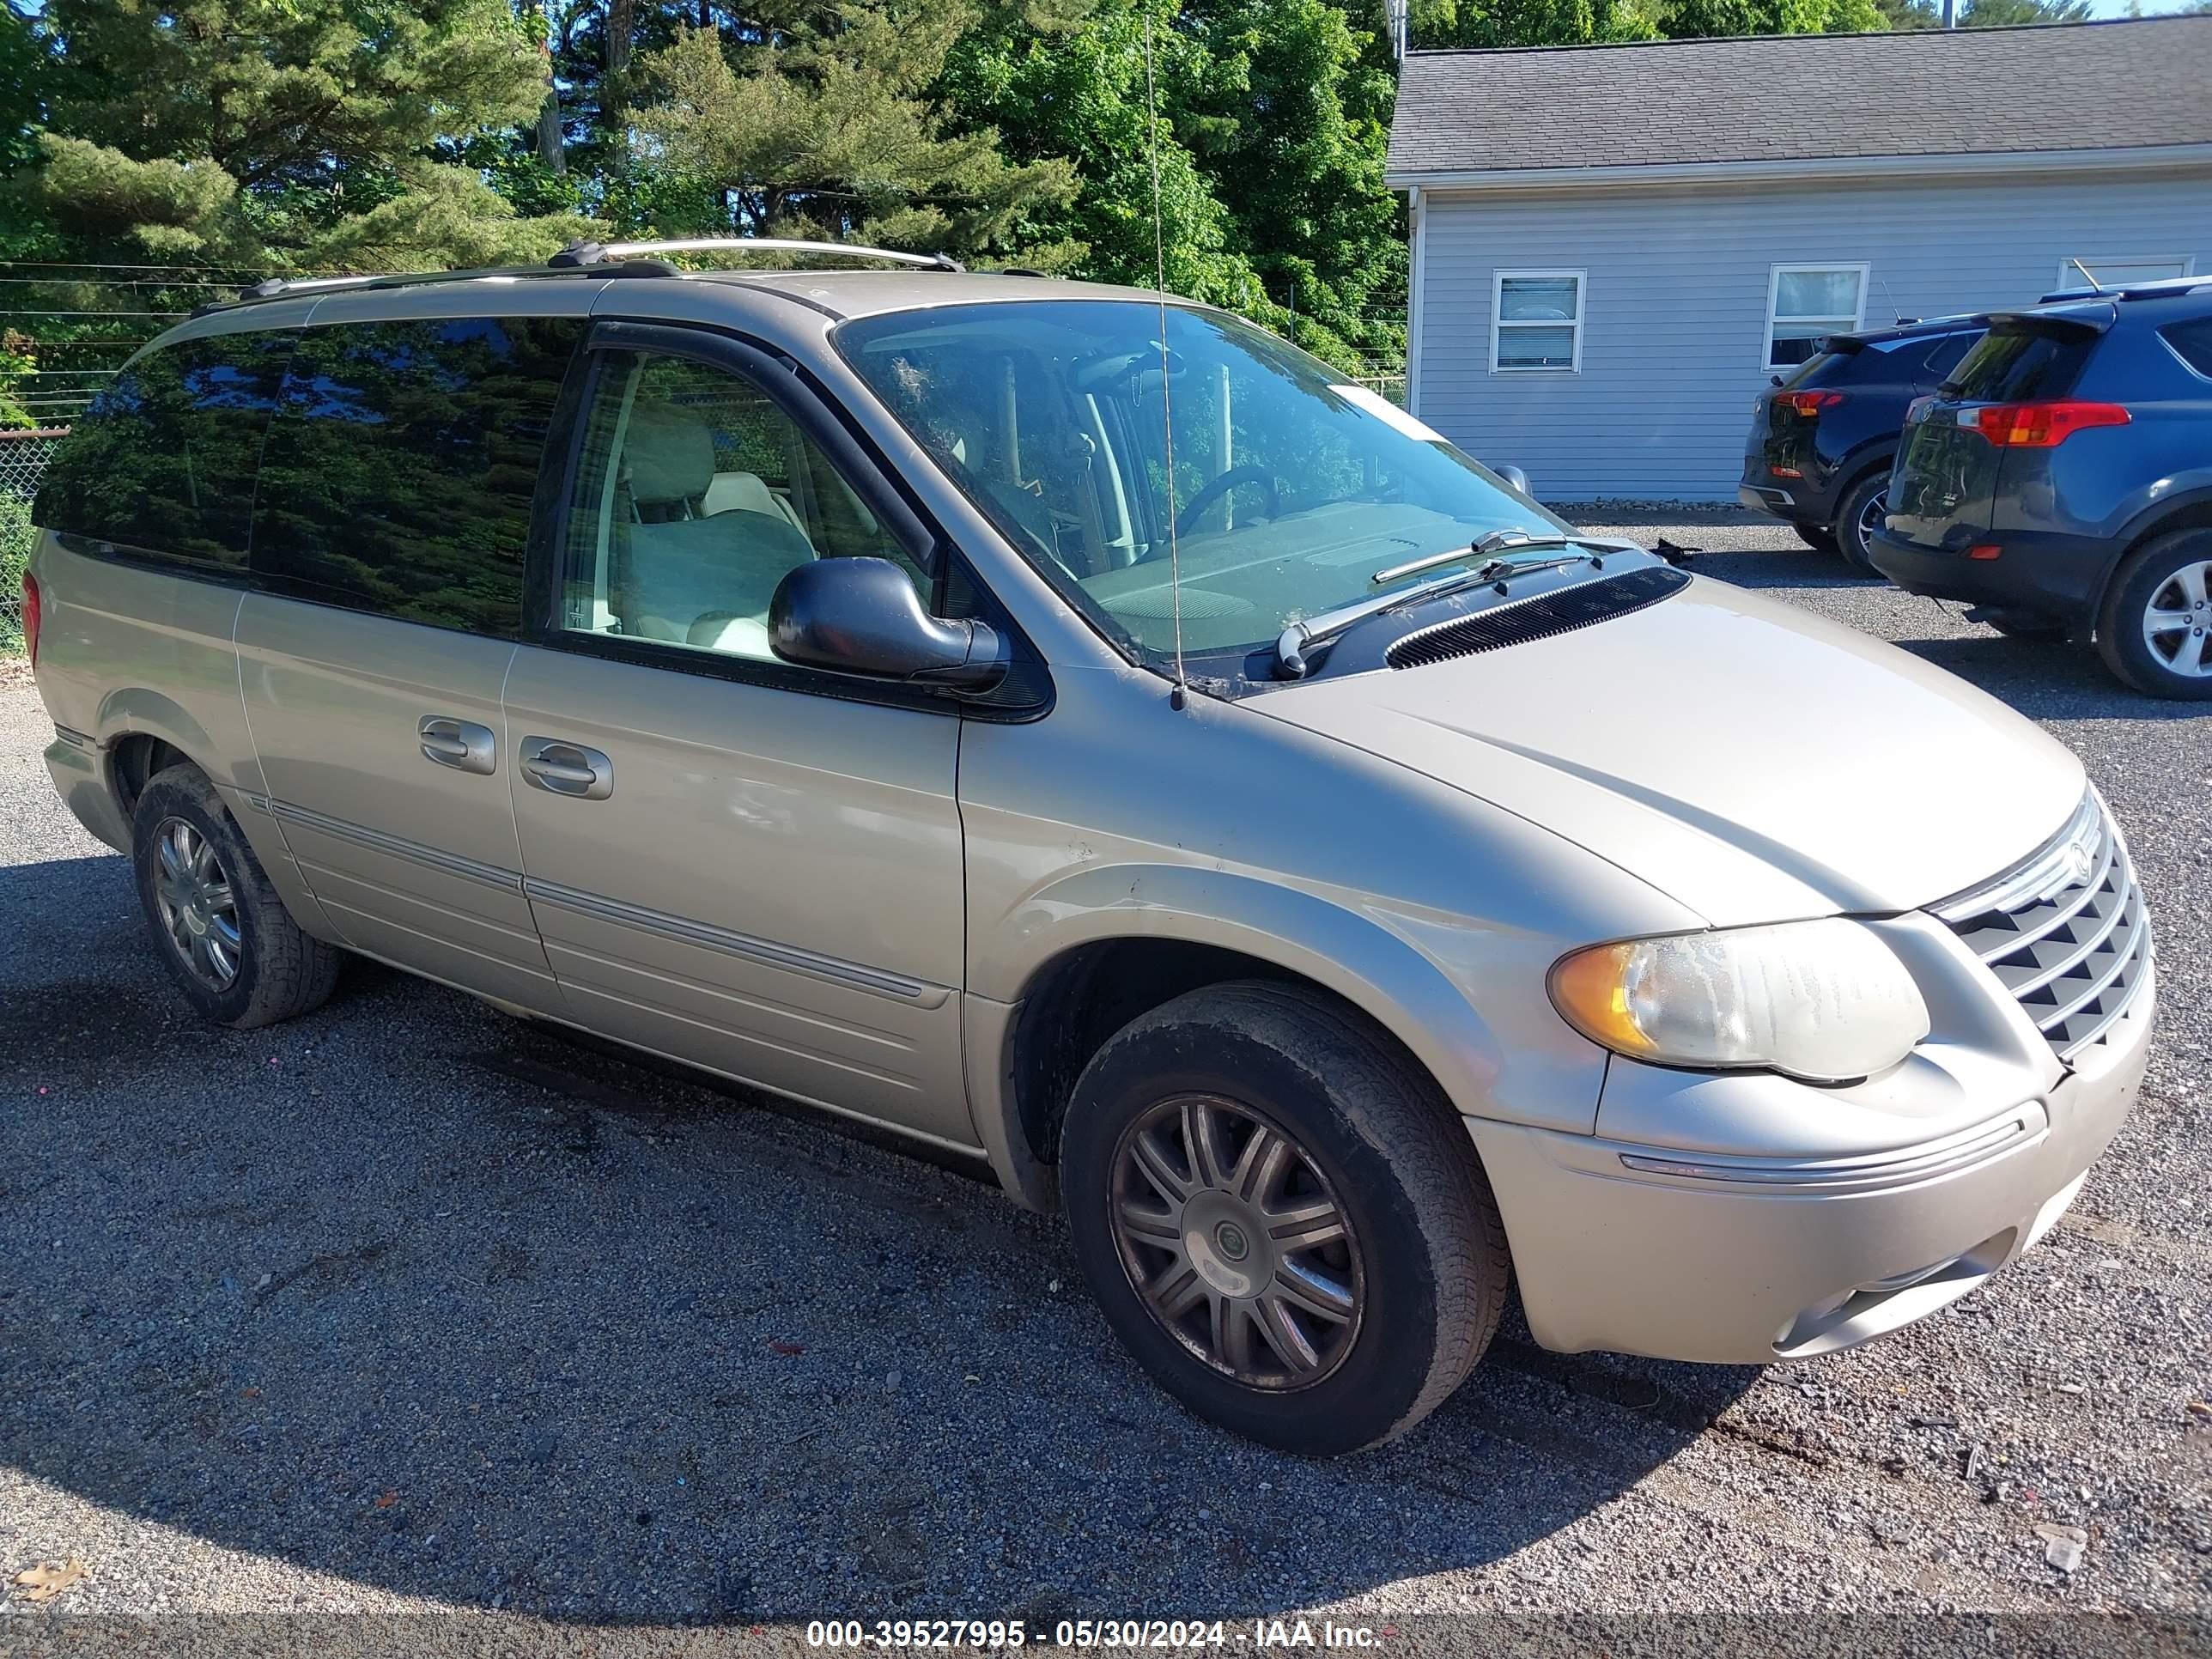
x=1615, y=248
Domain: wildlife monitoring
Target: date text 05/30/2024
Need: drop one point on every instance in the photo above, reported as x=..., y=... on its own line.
x=1167, y=1633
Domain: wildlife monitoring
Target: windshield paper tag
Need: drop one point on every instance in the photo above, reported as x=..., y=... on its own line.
x=1374, y=403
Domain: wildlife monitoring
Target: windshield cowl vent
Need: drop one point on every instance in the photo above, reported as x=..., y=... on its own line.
x=1559, y=612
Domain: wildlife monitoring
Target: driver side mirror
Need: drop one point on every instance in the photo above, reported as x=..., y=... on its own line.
x=861, y=616
x=1517, y=478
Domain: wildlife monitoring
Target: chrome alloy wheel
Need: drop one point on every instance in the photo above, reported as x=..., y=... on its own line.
x=198, y=905
x=2175, y=620
x=1870, y=517
x=1236, y=1243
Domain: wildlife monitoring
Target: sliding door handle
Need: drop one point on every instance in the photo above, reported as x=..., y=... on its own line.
x=462, y=744
x=566, y=768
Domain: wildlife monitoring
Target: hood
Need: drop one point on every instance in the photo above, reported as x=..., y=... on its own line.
x=1746, y=758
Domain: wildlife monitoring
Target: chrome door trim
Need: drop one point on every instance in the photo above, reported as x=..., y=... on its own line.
x=492, y=875
x=919, y=992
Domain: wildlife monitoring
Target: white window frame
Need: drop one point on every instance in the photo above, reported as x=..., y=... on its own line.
x=2070, y=277
x=1498, y=324
x=1803, y=267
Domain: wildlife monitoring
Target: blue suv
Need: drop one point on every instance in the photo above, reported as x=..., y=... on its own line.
x=2061, y=482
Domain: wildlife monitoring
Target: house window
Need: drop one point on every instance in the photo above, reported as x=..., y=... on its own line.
x=2119, y=273
x=1804, y=302
x=1536, y=321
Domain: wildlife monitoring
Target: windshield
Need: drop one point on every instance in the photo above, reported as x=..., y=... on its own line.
x=1291, y=488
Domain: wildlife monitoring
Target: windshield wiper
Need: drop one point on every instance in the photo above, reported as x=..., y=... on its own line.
x=1300, y=636
x=1497, y=541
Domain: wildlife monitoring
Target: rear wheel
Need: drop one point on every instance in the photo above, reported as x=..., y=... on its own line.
x=1858, y=516
x=2024, y=627
x=1819, y=537
x=1281, y=1217
x=2155, y=631
x=224, y=934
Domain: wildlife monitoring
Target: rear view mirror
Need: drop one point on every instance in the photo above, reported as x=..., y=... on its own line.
x=861, y=616
x=1517, y=478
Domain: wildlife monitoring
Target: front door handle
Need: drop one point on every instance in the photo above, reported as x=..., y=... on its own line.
x=566, y=768
x=462, y=744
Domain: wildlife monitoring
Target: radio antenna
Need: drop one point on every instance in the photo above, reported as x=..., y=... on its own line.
x=1181, y=694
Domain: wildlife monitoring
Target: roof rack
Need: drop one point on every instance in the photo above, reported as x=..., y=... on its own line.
x=589, y=253
x=274, y=288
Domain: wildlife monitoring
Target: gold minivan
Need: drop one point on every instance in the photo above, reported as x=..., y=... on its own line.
x=1072, y=728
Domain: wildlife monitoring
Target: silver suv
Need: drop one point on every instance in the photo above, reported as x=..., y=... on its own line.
x=1078, y=731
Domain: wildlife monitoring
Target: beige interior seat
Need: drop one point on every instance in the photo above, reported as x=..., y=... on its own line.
x=687, y=567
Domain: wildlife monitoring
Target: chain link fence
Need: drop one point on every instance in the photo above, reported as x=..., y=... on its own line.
x=23, y=458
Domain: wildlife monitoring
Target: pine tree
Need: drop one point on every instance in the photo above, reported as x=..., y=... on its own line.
x=825, y=128
x=268, y=134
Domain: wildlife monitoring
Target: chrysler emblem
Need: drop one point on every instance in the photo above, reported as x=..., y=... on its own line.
x=2079, y=863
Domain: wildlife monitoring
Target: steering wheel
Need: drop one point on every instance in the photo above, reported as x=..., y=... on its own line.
x=1217, y=487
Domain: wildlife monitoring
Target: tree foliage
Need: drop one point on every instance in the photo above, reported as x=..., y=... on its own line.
x=1234, y=147
x=273, y=133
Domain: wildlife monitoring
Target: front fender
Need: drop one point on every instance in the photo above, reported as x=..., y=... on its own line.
x=1465, y=999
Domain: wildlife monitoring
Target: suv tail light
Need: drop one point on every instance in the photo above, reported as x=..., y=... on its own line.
x=2039, y=426
x=1809, y=403
x=31, y=618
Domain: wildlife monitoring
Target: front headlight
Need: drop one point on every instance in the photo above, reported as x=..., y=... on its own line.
x=1823, y=1000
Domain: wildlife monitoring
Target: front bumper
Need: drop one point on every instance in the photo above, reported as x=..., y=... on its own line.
x=2058, y=577
x=1735, y=1260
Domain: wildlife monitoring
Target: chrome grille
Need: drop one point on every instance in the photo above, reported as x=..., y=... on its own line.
x=2065, y=932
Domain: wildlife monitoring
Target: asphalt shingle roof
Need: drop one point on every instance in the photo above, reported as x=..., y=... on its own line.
x=2093, y=86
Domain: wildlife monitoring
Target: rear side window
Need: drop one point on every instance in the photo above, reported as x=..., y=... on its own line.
x=2192, y=344
x=398, y=475
x=1948, y=353
x=162, y=463
x=2015, y=365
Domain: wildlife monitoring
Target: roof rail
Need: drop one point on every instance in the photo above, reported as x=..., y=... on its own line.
x=275, y=287
x=586, y=252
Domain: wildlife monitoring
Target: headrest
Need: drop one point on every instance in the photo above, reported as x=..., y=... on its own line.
x=670, y=455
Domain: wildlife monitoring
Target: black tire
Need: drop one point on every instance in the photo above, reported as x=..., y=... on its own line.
x=2040, y=628
x=2152, y=574
x=1819, y=537
x=276, y=970
x=1863, y=502
x=1432, y=1274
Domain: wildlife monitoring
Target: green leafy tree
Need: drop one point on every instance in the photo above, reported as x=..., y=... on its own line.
x=826, y=128
x=275, y=133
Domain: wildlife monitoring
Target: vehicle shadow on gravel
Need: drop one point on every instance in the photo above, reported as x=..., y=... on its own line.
x=413, y=1295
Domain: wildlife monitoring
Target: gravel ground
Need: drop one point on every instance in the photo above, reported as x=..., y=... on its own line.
x=401, y=1308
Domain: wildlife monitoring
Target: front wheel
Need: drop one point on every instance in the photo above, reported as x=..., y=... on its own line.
x=2155, y=631
x=1282, y=1218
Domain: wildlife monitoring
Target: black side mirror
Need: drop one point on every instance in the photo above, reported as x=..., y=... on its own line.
x=1517, y=478
x=861, y=616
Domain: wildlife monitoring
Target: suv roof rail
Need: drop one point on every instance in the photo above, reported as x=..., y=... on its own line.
x=586, y=254
x=2155, y=287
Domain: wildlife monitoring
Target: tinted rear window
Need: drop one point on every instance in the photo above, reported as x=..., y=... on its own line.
x=2012, y=365
x=1947, y=354
x=1817, y=369
x=397, y=477
x=2192, y=344
x=163, y=461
